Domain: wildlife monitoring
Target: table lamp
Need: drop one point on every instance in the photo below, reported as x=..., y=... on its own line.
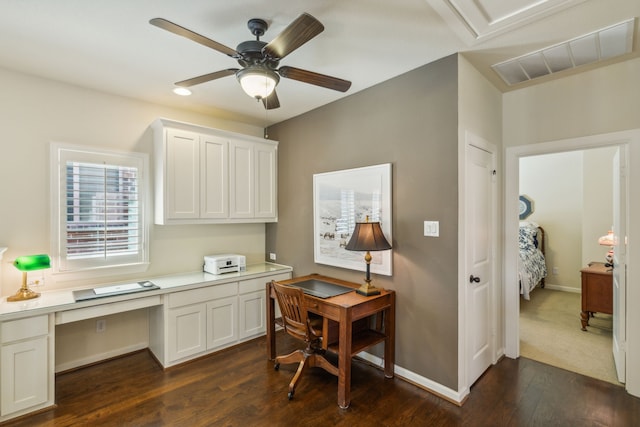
x=368, y=236
x=608, y=240
x=25, y=264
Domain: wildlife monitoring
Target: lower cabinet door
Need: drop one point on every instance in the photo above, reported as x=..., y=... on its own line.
x=187, y=331
x=24, y=375
x=252, y=314
x=222, y=323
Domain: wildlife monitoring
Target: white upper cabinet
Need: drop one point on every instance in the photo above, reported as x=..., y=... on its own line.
x=266, y=195
x=214, y=173
x=207, y=176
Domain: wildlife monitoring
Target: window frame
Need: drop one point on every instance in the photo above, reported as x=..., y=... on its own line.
x=60, y=154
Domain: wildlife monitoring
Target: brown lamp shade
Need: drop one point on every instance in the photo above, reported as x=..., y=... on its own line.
x=368, y=236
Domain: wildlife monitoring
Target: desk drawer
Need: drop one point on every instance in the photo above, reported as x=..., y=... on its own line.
x=20, y=329
x=194, y=296
x=77, y=314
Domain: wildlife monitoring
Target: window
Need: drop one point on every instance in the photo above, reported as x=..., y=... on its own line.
x=99, y=205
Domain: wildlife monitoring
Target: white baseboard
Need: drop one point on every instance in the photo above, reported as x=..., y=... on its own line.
x=99, y=357
x=563, y=288
x=418, y=380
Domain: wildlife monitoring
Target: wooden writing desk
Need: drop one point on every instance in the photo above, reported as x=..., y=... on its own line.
x=345, y=310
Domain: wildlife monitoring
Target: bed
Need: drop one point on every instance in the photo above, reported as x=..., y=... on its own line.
x=532, y=268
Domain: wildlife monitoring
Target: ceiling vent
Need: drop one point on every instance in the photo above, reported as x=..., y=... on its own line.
x=606, y=43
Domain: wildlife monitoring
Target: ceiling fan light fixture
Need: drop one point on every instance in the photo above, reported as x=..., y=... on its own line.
x=258, y=82
x=182, y=91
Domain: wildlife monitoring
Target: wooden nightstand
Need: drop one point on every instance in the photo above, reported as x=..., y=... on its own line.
x=597, y=291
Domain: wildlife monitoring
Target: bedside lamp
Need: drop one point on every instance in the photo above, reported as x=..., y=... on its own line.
x=26, y=264
x=368, y=236
x=608, y=240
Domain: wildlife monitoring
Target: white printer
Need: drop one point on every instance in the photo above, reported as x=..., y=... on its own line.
x=224, y=263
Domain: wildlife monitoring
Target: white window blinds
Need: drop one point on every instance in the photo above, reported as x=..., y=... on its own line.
x=101, y=204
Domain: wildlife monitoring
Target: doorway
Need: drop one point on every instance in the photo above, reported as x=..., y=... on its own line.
x=630, y=139
x=572, y=201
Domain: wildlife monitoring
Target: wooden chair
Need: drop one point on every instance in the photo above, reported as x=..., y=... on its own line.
x=299, y=324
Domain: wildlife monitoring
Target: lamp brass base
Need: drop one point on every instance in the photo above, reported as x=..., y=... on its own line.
x=367, y=290
x=23, y=294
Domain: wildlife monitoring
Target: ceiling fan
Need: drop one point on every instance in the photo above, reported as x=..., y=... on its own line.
x=259, y=60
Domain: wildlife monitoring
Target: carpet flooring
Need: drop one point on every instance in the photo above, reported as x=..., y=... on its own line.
x=550, y=333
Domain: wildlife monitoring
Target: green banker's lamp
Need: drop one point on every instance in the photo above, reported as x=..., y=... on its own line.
x=25, y=264
x=368, y=236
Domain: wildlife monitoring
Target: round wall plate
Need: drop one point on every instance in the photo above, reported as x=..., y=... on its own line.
x=525, y=206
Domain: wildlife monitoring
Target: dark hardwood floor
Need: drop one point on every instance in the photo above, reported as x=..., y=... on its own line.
x=239, y=387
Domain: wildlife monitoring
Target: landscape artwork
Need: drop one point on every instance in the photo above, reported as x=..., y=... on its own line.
x=343, y=198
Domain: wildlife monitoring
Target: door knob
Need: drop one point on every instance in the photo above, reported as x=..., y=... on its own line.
x=473, y=278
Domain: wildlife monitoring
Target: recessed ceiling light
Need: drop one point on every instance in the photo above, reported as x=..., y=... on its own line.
x=603, y=44
x=182, y=91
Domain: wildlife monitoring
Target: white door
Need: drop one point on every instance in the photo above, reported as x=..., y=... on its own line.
x=479, y=244
x=619, y=262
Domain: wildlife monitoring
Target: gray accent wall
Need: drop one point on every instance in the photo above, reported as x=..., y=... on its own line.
x=410, y=121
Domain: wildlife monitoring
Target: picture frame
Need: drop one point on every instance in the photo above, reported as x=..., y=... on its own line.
x=342, y=198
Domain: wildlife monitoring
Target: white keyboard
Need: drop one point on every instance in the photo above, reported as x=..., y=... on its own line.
x=117, y=288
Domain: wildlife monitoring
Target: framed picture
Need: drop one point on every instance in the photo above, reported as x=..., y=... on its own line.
x=342, y=198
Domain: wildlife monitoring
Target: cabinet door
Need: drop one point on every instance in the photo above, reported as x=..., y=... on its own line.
x=241, y=179
x=182, y=174
x=187, y=331
x=222, y=322
x=252, y=314
x=214, y=189
x=24, y=375
x=266, y=181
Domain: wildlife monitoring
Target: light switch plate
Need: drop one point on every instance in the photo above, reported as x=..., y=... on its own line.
x=432, y=228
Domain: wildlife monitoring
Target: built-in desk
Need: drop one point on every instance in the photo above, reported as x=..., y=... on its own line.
x=185, y=307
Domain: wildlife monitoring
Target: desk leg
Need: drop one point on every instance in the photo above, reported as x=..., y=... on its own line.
x=344, y=358
x=390, y=341
x=271, y=324
x=584, y=319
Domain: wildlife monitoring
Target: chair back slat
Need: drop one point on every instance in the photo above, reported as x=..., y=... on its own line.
x=294, y=313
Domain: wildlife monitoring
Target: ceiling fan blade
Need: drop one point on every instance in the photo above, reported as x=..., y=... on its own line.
x=206, y=77
x=181, y=31
x=271, y=102
x=315, y=78
x=304, y=28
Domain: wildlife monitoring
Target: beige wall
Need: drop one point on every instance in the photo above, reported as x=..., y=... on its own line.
x=34, y=112
x=596, y=102
x=554, y=183
x=411, y=122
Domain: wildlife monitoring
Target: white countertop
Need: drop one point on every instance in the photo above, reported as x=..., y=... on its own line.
x=60, y=300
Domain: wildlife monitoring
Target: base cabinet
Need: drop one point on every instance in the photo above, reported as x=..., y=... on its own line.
x=252, y=308
x=196, y=322
x=221, y=326
x=187, y=331
x=26, y=373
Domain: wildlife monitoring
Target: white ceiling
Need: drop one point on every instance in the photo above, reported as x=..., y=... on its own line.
x=110, y=46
